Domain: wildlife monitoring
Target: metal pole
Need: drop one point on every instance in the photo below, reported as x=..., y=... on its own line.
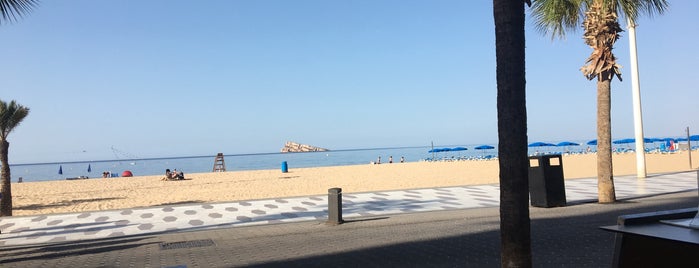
x=637, y=116
x=689, y=149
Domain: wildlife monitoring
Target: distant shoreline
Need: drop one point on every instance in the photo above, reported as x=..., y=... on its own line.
x=200, y=156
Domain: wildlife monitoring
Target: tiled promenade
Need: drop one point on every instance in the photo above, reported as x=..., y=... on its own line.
x=38, y=229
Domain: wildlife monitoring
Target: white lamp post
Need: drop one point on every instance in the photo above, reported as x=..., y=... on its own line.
x=637, y=116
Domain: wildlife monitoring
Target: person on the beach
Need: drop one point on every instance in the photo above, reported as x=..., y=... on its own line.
x=390, y=159
x=378, y=161
x=402, y=159
x=173, y=175
x=178, y=175
x=168, y=175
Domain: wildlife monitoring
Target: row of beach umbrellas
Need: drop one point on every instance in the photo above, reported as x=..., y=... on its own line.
x=569, y=143
x=649, y=140
x=455, y=149
x=488, y=147
x=620, y=141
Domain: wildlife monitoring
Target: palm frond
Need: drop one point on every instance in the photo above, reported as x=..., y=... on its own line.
x=11, y=115
x=12, y=10
x=555, y=17
x=632, y=9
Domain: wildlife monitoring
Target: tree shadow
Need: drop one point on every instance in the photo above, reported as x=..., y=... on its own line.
x=186, y=202
x=64, y=203
x=71, y=248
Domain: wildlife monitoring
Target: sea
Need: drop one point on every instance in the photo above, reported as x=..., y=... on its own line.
x=238, y=162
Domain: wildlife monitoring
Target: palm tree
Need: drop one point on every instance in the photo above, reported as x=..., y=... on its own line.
x=515, y=231
x=600, y=21
x=12, y=10
x=10, y=116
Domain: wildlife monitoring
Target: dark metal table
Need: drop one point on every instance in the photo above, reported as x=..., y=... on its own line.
x=648, y=240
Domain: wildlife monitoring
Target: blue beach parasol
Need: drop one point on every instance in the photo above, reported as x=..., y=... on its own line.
x=691, y=139
x=484, y=147
x=458, y=149
x=567, y=143
x=438, y=150
x=624, y=141
x=592, y=142
x=60, y=170
x=89, y=168
x=541, y=144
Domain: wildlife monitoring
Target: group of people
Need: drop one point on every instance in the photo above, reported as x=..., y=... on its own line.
x=173, y=175
x=390, y=160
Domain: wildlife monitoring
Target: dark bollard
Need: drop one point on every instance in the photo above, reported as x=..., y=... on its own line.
x=334, y=206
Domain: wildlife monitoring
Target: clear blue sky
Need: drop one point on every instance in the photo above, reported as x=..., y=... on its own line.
x=177, y=78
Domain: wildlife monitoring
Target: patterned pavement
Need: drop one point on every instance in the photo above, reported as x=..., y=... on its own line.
x=36, y=229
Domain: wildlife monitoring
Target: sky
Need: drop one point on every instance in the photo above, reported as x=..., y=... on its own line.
x=169, y=78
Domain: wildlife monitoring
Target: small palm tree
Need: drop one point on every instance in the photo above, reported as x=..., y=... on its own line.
x=600, y=21
x=10, y=116
x=12, y=10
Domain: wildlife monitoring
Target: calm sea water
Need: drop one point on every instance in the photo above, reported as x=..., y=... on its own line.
x=156, y=166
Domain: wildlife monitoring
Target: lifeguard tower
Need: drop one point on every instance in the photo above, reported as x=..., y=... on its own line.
x=219, y=164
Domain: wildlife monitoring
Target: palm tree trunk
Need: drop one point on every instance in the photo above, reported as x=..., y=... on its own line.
x=605, y=178
x=5, y=190
x=515, y=236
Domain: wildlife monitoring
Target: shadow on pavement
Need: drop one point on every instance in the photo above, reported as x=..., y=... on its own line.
x=561, y=237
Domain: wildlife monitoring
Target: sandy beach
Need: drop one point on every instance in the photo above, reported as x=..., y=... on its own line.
x=116, y=193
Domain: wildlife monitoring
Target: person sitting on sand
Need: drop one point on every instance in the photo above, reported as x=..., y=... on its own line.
x=178, y=175
x=168, y=175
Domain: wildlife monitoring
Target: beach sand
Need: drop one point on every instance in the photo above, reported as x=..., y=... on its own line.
x=50, y=197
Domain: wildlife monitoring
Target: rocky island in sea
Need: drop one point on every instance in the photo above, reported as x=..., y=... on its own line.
x=293, y=147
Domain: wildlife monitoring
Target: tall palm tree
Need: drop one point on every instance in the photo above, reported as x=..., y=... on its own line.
x=12, y=10
x=600, y=21
x=515, y=234
x=10, y=116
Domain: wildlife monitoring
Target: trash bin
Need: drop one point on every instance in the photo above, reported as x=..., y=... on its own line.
x=546, y=186
x=285, y=167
